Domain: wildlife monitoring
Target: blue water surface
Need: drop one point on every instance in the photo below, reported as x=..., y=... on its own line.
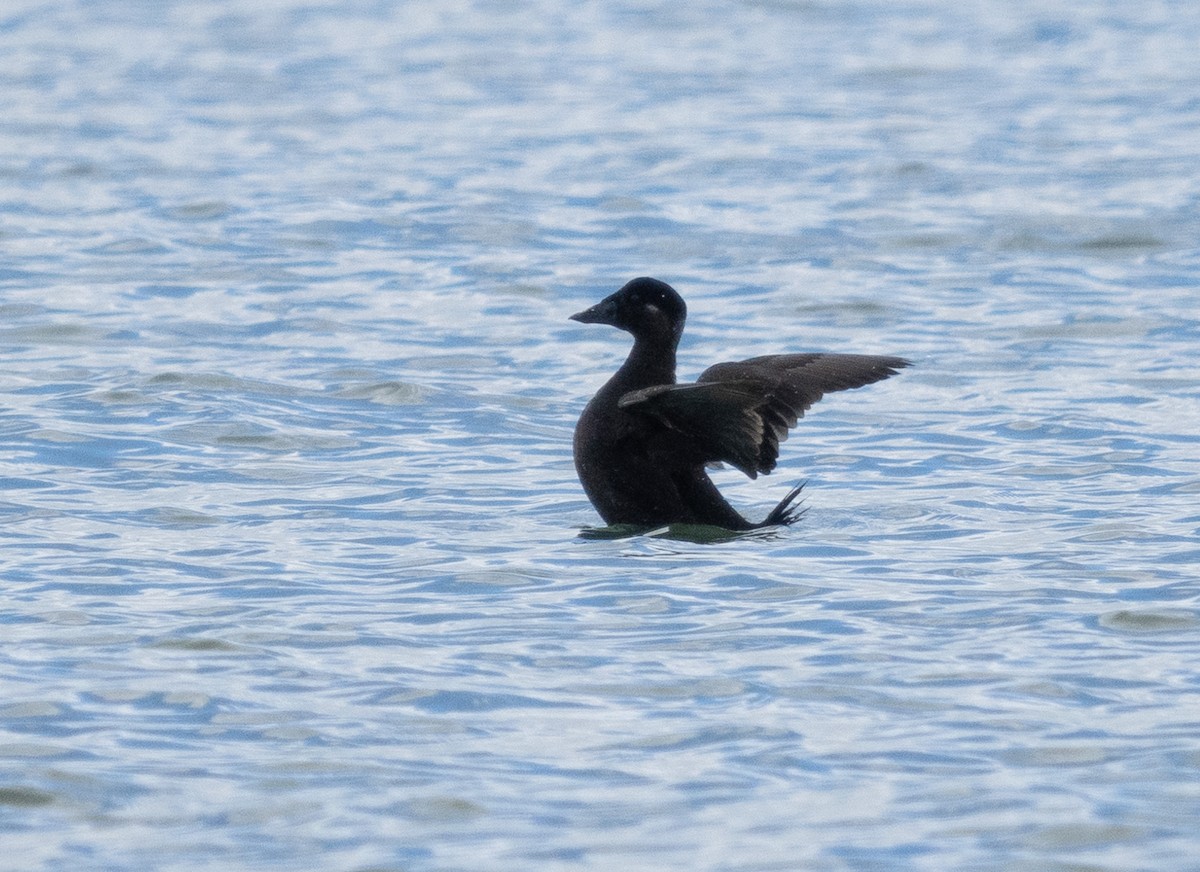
x=290, y=536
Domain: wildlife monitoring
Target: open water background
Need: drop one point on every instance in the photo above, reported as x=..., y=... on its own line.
x=289, y=530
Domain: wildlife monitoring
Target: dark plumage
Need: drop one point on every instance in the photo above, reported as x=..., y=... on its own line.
x=643, y=442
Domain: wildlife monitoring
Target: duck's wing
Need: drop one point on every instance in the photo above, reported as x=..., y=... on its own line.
x=740, y=412
x=705, y=423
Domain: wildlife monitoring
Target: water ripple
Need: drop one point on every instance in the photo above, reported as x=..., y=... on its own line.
x=297, y=570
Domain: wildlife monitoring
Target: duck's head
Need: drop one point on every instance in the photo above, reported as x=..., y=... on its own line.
x=649, y=309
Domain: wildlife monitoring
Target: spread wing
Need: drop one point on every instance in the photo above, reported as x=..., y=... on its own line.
x=740, y=412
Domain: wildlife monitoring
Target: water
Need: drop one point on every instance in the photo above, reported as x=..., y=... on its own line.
x=290, y=533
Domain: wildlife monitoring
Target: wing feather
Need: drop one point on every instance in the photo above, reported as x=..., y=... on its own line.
x=739, y=412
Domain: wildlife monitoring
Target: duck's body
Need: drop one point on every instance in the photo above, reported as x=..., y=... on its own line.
x=643, y=442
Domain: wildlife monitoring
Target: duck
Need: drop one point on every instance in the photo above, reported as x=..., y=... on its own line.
x=644, y=443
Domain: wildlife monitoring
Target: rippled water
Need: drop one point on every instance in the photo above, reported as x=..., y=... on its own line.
x=290, y=534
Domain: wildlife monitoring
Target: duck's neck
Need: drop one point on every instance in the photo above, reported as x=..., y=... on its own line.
x=650, y=362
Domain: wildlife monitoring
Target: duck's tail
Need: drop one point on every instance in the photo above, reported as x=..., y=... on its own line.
x=786, y=513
